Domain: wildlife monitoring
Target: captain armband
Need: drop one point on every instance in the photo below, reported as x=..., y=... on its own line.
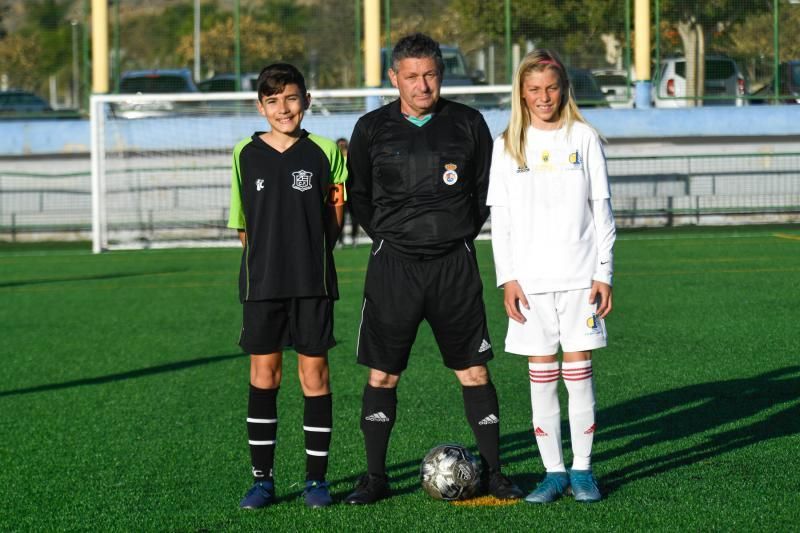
x=336, y=194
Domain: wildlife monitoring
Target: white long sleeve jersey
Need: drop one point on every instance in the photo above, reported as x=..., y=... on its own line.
x=552, y=225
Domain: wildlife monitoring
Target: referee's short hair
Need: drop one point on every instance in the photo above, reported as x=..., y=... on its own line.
x=417, y=45
x=275, y=77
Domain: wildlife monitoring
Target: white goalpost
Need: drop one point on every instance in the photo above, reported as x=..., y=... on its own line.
x=161, y=163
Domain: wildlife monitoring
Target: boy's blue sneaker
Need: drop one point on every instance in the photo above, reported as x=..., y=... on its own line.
x=317, y=494
x=552, y=487
x=261, y=494
x=584, y=486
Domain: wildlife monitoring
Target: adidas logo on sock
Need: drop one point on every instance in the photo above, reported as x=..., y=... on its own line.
x=590, y=430
x=484, y=346
x=377, y=417
x=539, y=432
x=491, y=419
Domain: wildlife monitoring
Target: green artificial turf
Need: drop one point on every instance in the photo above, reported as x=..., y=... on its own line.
x=123, y=396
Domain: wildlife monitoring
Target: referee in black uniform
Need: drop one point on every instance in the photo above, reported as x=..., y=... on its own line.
x=419, y=173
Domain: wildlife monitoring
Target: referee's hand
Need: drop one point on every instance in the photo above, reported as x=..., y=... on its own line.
x=513, y=298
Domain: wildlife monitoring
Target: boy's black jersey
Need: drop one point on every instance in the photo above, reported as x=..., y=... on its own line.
x=280, y=201
x=422, y=189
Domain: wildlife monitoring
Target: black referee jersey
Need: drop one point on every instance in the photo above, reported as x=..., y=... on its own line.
x=422, y=189
x=280, y=200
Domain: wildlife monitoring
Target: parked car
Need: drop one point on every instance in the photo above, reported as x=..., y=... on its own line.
x=226, y=82
x=22, y=102
x=616, y=86
x=158, y=81
x=584, y=87
x=788, y=86
x=724, y=83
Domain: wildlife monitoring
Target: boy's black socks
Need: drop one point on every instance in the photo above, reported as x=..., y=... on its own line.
x=317, y=425
x=262, y=427
x=378, y=412
x=483, y=415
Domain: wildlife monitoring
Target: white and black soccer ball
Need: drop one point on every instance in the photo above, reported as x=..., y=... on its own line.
x=450, y=472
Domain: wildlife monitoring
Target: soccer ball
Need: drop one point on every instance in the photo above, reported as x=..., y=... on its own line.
x=450, y=472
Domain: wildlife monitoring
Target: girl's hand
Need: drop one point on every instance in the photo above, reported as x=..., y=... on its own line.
x=513, y=297
x=601, y=295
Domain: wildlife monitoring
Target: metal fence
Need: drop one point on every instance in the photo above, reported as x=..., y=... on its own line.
x=44, y=45
x=646, y=191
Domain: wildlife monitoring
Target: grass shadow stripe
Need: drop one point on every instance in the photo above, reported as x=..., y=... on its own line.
x=132, y=374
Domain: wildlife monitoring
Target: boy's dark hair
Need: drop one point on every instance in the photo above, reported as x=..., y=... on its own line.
x=417, y=45
x=275, y=77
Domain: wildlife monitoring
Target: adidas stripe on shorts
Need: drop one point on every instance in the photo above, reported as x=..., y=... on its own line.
x=400, y=292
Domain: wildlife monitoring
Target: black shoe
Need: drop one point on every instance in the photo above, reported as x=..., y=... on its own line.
x=369, y=489
x=502, y=488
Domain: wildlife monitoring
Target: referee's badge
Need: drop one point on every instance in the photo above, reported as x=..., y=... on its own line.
x=450, y=176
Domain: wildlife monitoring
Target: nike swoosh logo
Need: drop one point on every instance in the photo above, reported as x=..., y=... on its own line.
x=603, y=262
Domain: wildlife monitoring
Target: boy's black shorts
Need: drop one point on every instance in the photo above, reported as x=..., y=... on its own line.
x=303, y=324
x=400, y=292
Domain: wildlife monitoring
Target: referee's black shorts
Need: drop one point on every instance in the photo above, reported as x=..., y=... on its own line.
x=400, y=292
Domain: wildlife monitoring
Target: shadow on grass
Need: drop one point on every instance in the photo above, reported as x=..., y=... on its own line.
x=97, y=277
x=723, y=416
x=169, y=367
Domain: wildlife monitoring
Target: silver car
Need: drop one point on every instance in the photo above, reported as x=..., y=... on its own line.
x=724, y=83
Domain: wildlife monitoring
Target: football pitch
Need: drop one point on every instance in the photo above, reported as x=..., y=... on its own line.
x=123, y=396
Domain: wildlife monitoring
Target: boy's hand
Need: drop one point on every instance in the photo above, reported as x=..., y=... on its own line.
x=513, y=297
x=601, y=294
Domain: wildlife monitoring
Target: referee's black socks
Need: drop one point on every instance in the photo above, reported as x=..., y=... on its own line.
x=483, y=415
x=378, y=411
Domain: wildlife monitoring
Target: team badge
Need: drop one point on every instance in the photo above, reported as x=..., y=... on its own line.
x=450, y=177
x=592, y=322
x=302, y=180
x=575, y=158
x=545, y=156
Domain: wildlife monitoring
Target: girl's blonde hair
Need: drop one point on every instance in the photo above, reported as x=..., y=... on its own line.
x=568, y=113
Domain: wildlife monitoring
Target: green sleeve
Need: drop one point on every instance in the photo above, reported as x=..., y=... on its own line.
x=236, y=216
x=335, y=158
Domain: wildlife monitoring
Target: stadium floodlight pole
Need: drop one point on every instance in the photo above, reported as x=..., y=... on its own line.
x=776, y=60
x=509, y=60
x=359, y=81
x=99, y=46
x=196, y=39
x=237, y=47
x=372, y=50
x=641, y=31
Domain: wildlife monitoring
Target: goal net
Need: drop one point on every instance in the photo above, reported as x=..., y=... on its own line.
x=161, y=163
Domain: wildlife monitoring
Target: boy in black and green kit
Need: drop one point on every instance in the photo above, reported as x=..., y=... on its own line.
x=287, y=199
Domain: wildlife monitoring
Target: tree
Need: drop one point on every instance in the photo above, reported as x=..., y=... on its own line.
x=698, y=25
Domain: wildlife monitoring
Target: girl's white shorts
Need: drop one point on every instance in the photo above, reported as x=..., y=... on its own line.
x=566, y=318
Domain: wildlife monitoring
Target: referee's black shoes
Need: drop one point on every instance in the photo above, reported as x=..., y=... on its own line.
x=501, y=487
x=369, y=489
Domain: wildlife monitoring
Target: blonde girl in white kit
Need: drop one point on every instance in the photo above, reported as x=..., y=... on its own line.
x=552, y=237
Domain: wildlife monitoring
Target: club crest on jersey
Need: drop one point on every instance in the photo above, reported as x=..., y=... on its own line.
x=302, y=180
x=575, y=158
x=545, y=156
x=450, y=176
